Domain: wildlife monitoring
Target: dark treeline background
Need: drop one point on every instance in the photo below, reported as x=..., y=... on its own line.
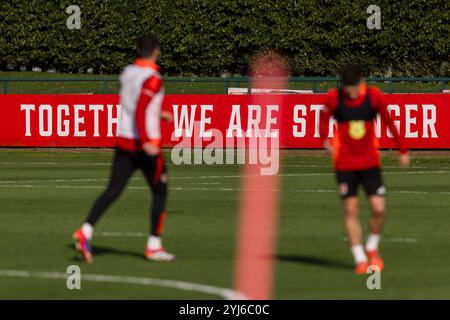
x=217, y=37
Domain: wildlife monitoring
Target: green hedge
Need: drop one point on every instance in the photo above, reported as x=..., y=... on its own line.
x=216, y=37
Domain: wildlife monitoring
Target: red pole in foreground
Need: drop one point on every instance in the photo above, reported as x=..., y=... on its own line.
x=257, y=234
x=258, y=215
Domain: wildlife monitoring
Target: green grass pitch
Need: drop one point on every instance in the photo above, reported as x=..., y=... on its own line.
x=41, y=83
x=45, y=194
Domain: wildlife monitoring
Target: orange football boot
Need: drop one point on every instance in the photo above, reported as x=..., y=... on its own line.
x=375, y=259
x=361, y=267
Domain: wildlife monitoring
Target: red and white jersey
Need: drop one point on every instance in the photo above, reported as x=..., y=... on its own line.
x=141, y=98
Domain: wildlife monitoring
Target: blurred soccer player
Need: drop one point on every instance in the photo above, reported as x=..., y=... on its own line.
x=354, y=149
x=138, y=146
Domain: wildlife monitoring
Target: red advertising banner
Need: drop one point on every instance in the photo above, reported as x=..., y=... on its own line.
x=91, y=120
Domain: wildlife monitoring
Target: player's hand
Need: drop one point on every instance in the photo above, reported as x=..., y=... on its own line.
x=328, y=146
x=151, y=149
x=404, y=160
x=166, y=116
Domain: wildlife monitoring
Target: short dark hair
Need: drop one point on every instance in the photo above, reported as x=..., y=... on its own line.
x=146, y=45
x=351, y=75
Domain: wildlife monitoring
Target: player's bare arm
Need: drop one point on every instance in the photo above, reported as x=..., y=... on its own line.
x=323, y=125
x=404, y=158
x=167, y=116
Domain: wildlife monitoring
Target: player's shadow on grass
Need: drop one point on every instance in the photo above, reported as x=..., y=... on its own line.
x=312, y=260
x=100, y=250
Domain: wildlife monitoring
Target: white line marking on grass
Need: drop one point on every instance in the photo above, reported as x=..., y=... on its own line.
x=109, y=164
x=388, y=191
x=29, y=163
x=57, y=163
x=122, y=234
x=35, y=186
x=51, y=180
x=330, y=167
x=143, y=234
x=214, y=177
x=395, y=239
x=32, y=186
x=206, y=183
x=415, y=172
x=401, y=240
x=225, y=293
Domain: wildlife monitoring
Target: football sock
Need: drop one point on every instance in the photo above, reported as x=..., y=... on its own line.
x=358, y=253
x=87, y=230
x=154, y=243
x=372, y=242
x=158, y=209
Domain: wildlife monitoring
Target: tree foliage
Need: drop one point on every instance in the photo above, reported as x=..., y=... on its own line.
x=218, y=37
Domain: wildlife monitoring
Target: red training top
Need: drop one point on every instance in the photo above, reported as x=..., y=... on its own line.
x=355, y=146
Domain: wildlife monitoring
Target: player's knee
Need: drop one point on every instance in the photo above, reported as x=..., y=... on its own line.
x=161, y=187
x=351, y=214
x=351, y=208
x=378, y=212
x=112, y=194
x=164, y=178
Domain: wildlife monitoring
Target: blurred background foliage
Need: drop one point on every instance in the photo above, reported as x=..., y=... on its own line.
x=218, y=37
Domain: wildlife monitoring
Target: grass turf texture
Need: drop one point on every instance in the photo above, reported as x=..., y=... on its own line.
x=38, y=83
x=44, y=198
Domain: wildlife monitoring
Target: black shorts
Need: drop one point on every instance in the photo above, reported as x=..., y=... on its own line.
x=126, y=162
x=349, y=180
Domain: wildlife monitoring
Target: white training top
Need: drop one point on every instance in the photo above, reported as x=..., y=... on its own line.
x=140, y=83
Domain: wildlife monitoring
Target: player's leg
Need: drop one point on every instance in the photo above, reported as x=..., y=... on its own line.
x=348, y=188
x=122, y=168
x=354, y=234
x=373, y=184
x=377, y=219
x=155, y=172
x=351, y=221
